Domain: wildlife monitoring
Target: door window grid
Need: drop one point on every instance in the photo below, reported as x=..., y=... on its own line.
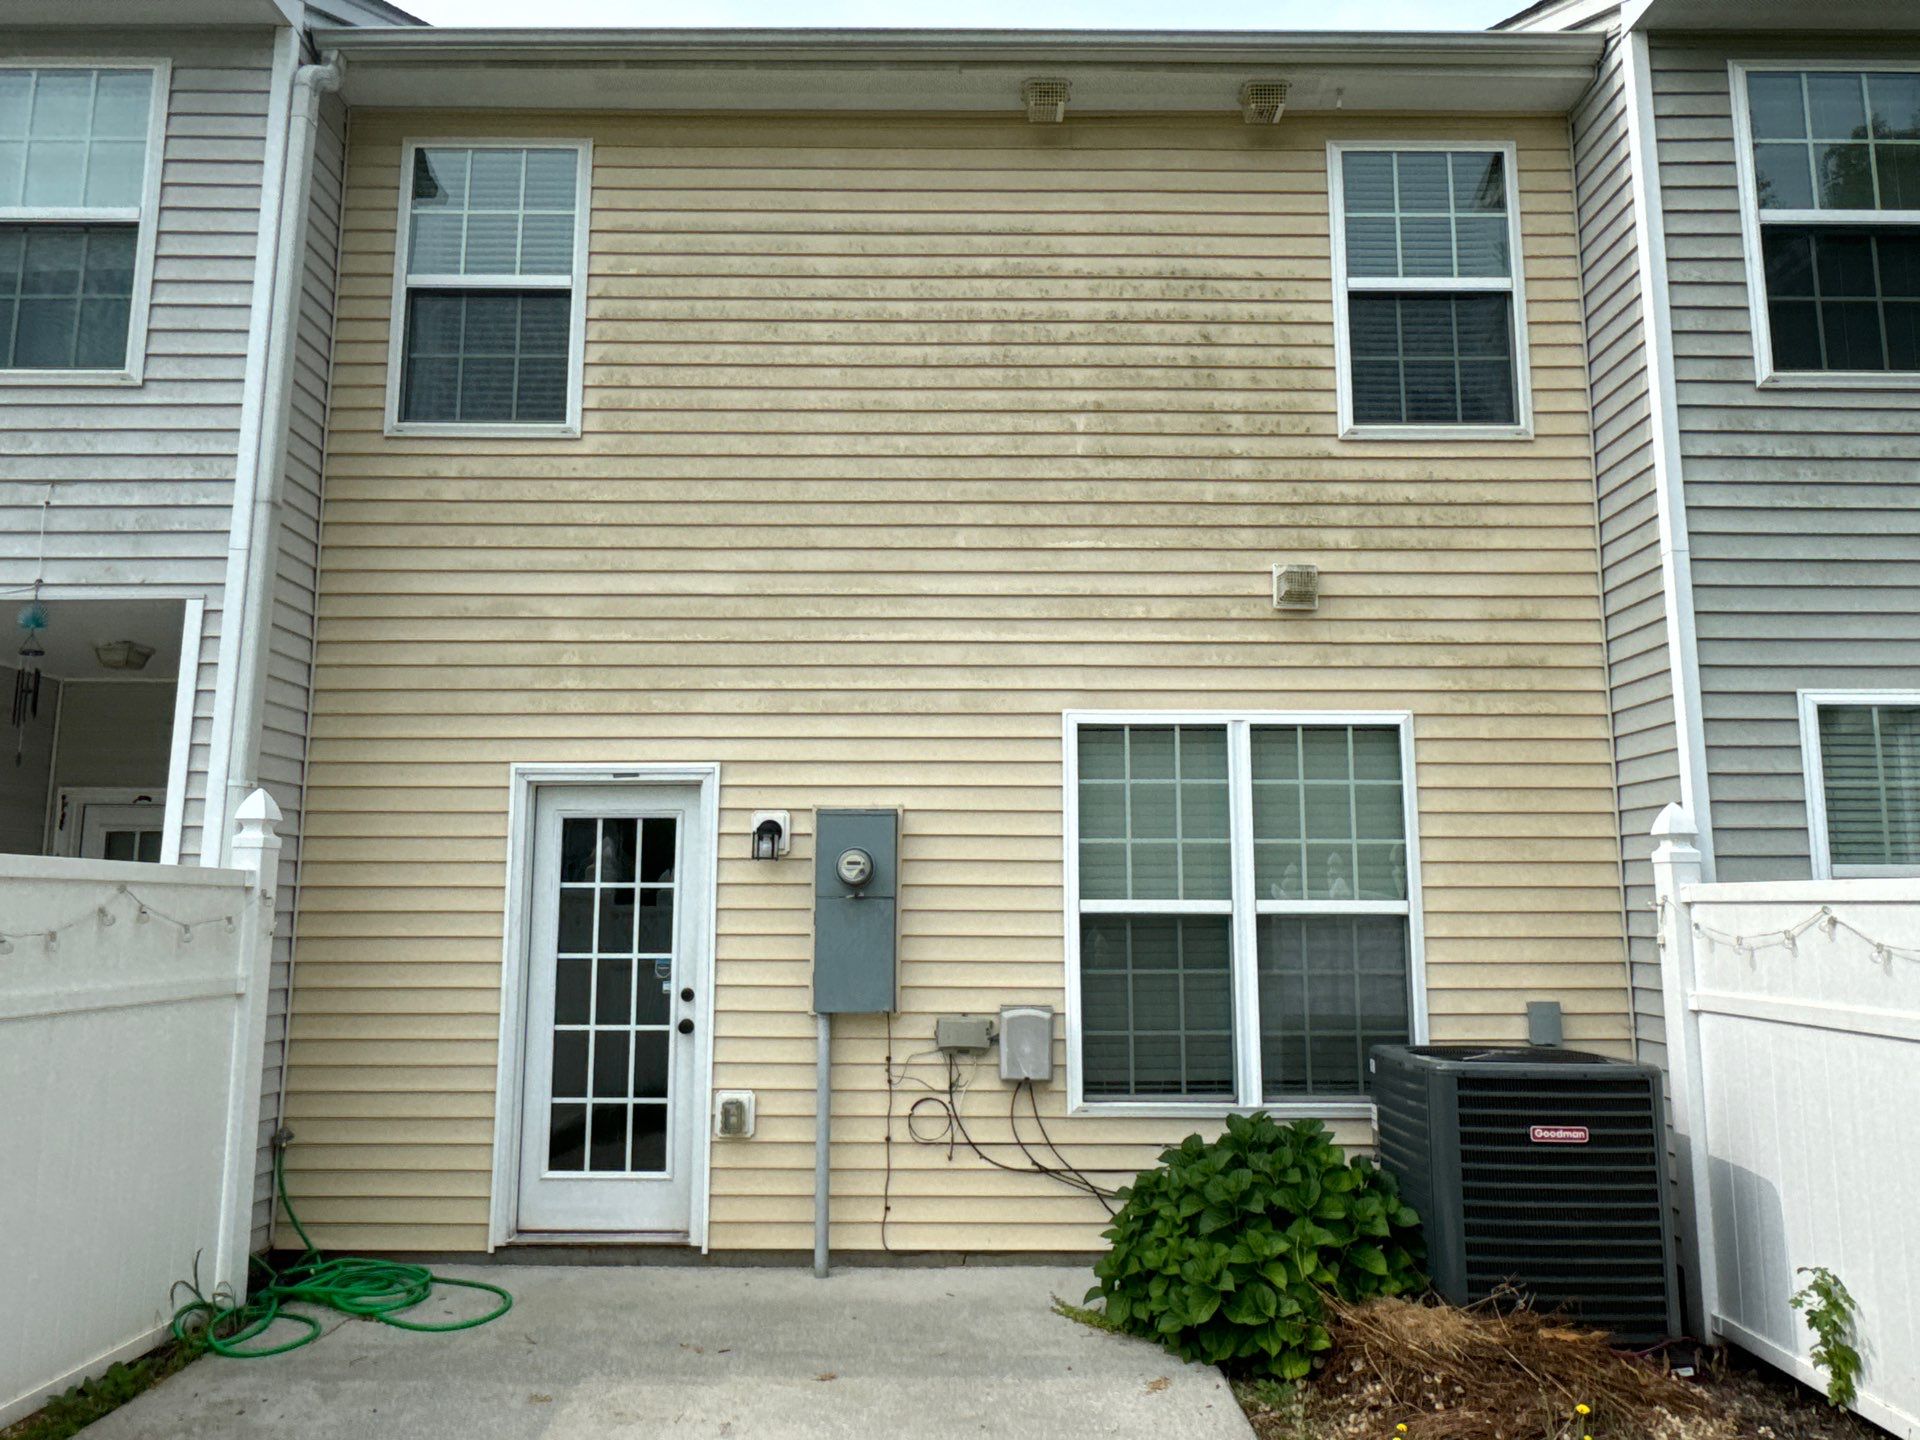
x=1870, y=775
x=1156, y=973
x=1832, y=158
x=76, y=147
x=612, y=1036
x=488, y=306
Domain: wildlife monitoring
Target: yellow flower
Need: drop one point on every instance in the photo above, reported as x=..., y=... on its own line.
x=1400, y=1429
x=1583, y=1409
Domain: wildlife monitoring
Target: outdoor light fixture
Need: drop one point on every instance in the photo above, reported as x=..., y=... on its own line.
x=772, y=832
x=122, y=654
x=1263, y=102
x=1045, y=97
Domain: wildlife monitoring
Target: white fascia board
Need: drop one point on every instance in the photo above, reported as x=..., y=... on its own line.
x=953, y=72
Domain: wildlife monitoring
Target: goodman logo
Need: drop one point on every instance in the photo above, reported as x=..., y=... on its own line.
x=1559, y=1134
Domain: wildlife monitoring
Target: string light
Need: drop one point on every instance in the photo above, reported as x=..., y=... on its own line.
x=1824, y=920
x=145, y=913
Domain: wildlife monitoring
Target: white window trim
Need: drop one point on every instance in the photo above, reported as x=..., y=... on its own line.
x=577, y=317
x=146, y=216
x=1751, y=219
x=1813, y=767
x=1246, y=996
x=1343, y=284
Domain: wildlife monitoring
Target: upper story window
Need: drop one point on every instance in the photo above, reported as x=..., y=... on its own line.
x=490, y=293
x=1242, y=907
x=79, y=182
x=1429, y=309
x=1830, y=170
x=1862, y=753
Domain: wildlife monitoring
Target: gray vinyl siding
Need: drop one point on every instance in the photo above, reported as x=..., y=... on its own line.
x=1803, y=505
x=283, y=738
x=142, y=477
x=1639, y=675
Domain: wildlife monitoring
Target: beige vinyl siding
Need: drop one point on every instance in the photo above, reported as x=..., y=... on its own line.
x=902, y=437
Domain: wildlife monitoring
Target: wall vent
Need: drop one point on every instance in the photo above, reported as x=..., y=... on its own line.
x=1296, y=587
x=1263, y=102
x=1045, y=97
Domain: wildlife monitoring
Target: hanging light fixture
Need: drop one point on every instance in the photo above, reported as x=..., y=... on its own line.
x=122, y=654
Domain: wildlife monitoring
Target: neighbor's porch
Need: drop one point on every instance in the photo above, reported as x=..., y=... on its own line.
x=99, y=728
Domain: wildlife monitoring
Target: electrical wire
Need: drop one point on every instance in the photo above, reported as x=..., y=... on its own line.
x=366, y=1289
x=953, y=1133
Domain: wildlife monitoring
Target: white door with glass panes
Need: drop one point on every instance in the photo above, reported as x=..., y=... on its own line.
x=97, y=828
x=619, y=958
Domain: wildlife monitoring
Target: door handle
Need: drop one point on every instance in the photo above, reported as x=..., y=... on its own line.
x=686, y=1027
x=686, y=992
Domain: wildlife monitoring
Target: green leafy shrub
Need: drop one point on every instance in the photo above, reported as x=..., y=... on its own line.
x=1830, y=1312
x=1226, y=1252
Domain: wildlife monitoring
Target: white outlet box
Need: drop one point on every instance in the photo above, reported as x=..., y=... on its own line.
x=733, y=1114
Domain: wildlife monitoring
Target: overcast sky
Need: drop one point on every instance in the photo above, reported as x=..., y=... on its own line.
x=1060, y=14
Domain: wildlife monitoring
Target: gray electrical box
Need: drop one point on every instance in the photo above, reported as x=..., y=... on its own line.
x=856, y=911
x=1026, y=1043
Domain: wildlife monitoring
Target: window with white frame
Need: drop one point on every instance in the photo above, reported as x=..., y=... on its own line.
x=1428, y=306
x=1243, y=907
x=79, y=164
x=1864, y=782
x=490, y=292
x=1830, y=162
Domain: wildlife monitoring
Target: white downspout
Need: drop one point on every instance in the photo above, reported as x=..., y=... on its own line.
x=1676, y=560
x=253, y=560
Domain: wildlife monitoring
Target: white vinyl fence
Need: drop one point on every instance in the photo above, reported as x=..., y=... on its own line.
x=1793, y=1027
x=132, y=1019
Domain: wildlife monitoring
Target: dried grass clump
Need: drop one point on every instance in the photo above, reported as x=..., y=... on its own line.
x=1498, y=1372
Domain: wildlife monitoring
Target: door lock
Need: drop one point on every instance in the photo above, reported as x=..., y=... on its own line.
x=686, y=1027
x=686, y=992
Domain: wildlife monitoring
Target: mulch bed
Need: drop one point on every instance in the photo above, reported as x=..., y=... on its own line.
x=1503, y=1373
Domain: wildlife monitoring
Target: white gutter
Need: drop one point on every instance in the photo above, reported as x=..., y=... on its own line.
x=1663, y=406
x=253, y=552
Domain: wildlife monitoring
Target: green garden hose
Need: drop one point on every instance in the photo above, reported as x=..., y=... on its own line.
x=367, y=1289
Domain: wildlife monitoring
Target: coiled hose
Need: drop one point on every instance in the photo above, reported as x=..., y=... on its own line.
x=367, y=1289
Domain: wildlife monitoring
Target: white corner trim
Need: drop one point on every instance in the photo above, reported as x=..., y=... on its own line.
x=247, y=480
x=1514, y=284
x=568, y=429
x=523, y=782
x=186, y=686
x=1663, y=407
x=1813, y=768
x=1244, y=907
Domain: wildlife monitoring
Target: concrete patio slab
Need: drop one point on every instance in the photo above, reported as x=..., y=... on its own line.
x=745, y=1354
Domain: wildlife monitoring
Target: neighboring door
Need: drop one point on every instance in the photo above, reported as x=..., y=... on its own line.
x=619, y=958
x=122, y=831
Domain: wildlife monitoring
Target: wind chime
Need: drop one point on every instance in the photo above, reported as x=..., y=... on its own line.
x=26, y=678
